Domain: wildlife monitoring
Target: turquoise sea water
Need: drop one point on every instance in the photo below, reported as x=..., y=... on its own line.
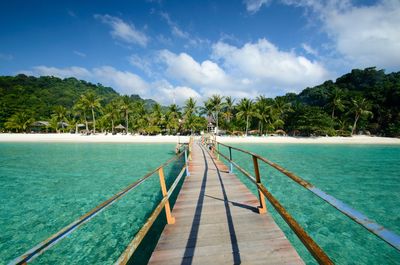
x=366, y=177
x=44, y=187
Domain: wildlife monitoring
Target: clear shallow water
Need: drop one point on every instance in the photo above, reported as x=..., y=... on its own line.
x=44, y=187
x=367, y=177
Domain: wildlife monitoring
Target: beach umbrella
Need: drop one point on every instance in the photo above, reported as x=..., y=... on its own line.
x=120, y=127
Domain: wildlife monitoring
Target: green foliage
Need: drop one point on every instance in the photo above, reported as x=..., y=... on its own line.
x=362, y=100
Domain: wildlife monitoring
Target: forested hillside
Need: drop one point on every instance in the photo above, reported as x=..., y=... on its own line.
x=363, y=101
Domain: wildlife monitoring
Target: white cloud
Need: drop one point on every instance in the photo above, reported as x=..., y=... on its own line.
x=175, y=29
x=184, y=68
x=365, y=35
x=180, y=33
x=123, y=82
x=368, y=36
x=166, y=94
x=80, y=54
x=256, y=68
x=309, y=49
x=73, y=71
x=263, y=63
x=253, y=6
x=142, y=63
x=123, y=31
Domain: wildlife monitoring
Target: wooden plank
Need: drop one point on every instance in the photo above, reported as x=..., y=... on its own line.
x=217, y=222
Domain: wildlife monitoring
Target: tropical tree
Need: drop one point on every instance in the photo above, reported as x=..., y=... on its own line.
x=19, y=121
x=335, y=100
x=125, y=107
x=60, y=114
x=264, y=112
x=172, y=118
x=92, y=102
x=189, y=114
x=246, y=110
x=80, y=109
x=154, y=118
x=227, y=112
x=216, y=106
x=281, y=107
x=139, y=116
x=112, y=113
x=360, y=108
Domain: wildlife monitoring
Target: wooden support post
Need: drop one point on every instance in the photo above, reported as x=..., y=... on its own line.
x=217, y=150
x=187, y=163
x=262, y=208
x=230, y=162
x=190, y=148
x=170, y=218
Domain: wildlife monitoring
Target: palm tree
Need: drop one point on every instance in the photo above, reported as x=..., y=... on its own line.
x=264, y=111
x=92, y=102
x=360, y=108
x=19, y=121
x=216, y=105
x=139, y=116
x=246, y=110
x=60, y=114
x=281, y=107
x=190, y=111
x=155, y=116
x=111, y=112
x=126, y=108
x=336, y=100
x=173, y=116
x=228, y=109
x=80, y=109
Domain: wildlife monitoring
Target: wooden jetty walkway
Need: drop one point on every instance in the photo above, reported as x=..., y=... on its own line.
x=217, y=222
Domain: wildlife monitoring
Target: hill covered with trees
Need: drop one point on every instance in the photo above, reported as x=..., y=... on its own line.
x=362, y=101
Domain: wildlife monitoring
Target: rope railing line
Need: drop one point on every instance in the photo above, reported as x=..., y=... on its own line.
x=55, y=238
x=315, y=250
x=378, y=230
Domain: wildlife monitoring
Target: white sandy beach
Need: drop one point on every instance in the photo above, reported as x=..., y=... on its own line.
x=102, y=138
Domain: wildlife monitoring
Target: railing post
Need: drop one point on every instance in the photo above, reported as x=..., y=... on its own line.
x=186, y=163
x=190, y=148
x=230, y=162
x=262, y=208
x=170, y=218
x=217, y=150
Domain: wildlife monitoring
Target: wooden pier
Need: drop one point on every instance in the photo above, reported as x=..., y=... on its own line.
x=217, y=222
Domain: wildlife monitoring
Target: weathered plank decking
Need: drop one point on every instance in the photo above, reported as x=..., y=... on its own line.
x=217, y=222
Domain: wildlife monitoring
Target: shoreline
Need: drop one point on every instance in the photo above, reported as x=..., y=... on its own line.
x=102, y=138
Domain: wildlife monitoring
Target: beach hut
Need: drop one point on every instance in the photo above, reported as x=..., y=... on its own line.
x=37, y=126
x=254, y=132
x=210, y=124
x=280, y=132
x=120, y=127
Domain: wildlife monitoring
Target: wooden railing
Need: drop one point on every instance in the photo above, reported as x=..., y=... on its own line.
x=184, y=150
x=381, y=232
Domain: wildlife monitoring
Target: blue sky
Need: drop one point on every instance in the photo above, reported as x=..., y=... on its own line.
x=170, y=50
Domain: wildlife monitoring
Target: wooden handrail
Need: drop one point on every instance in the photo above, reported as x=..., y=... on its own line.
x=378, y=230
x=55, y=238
x=164, y=203
x=315, y=250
